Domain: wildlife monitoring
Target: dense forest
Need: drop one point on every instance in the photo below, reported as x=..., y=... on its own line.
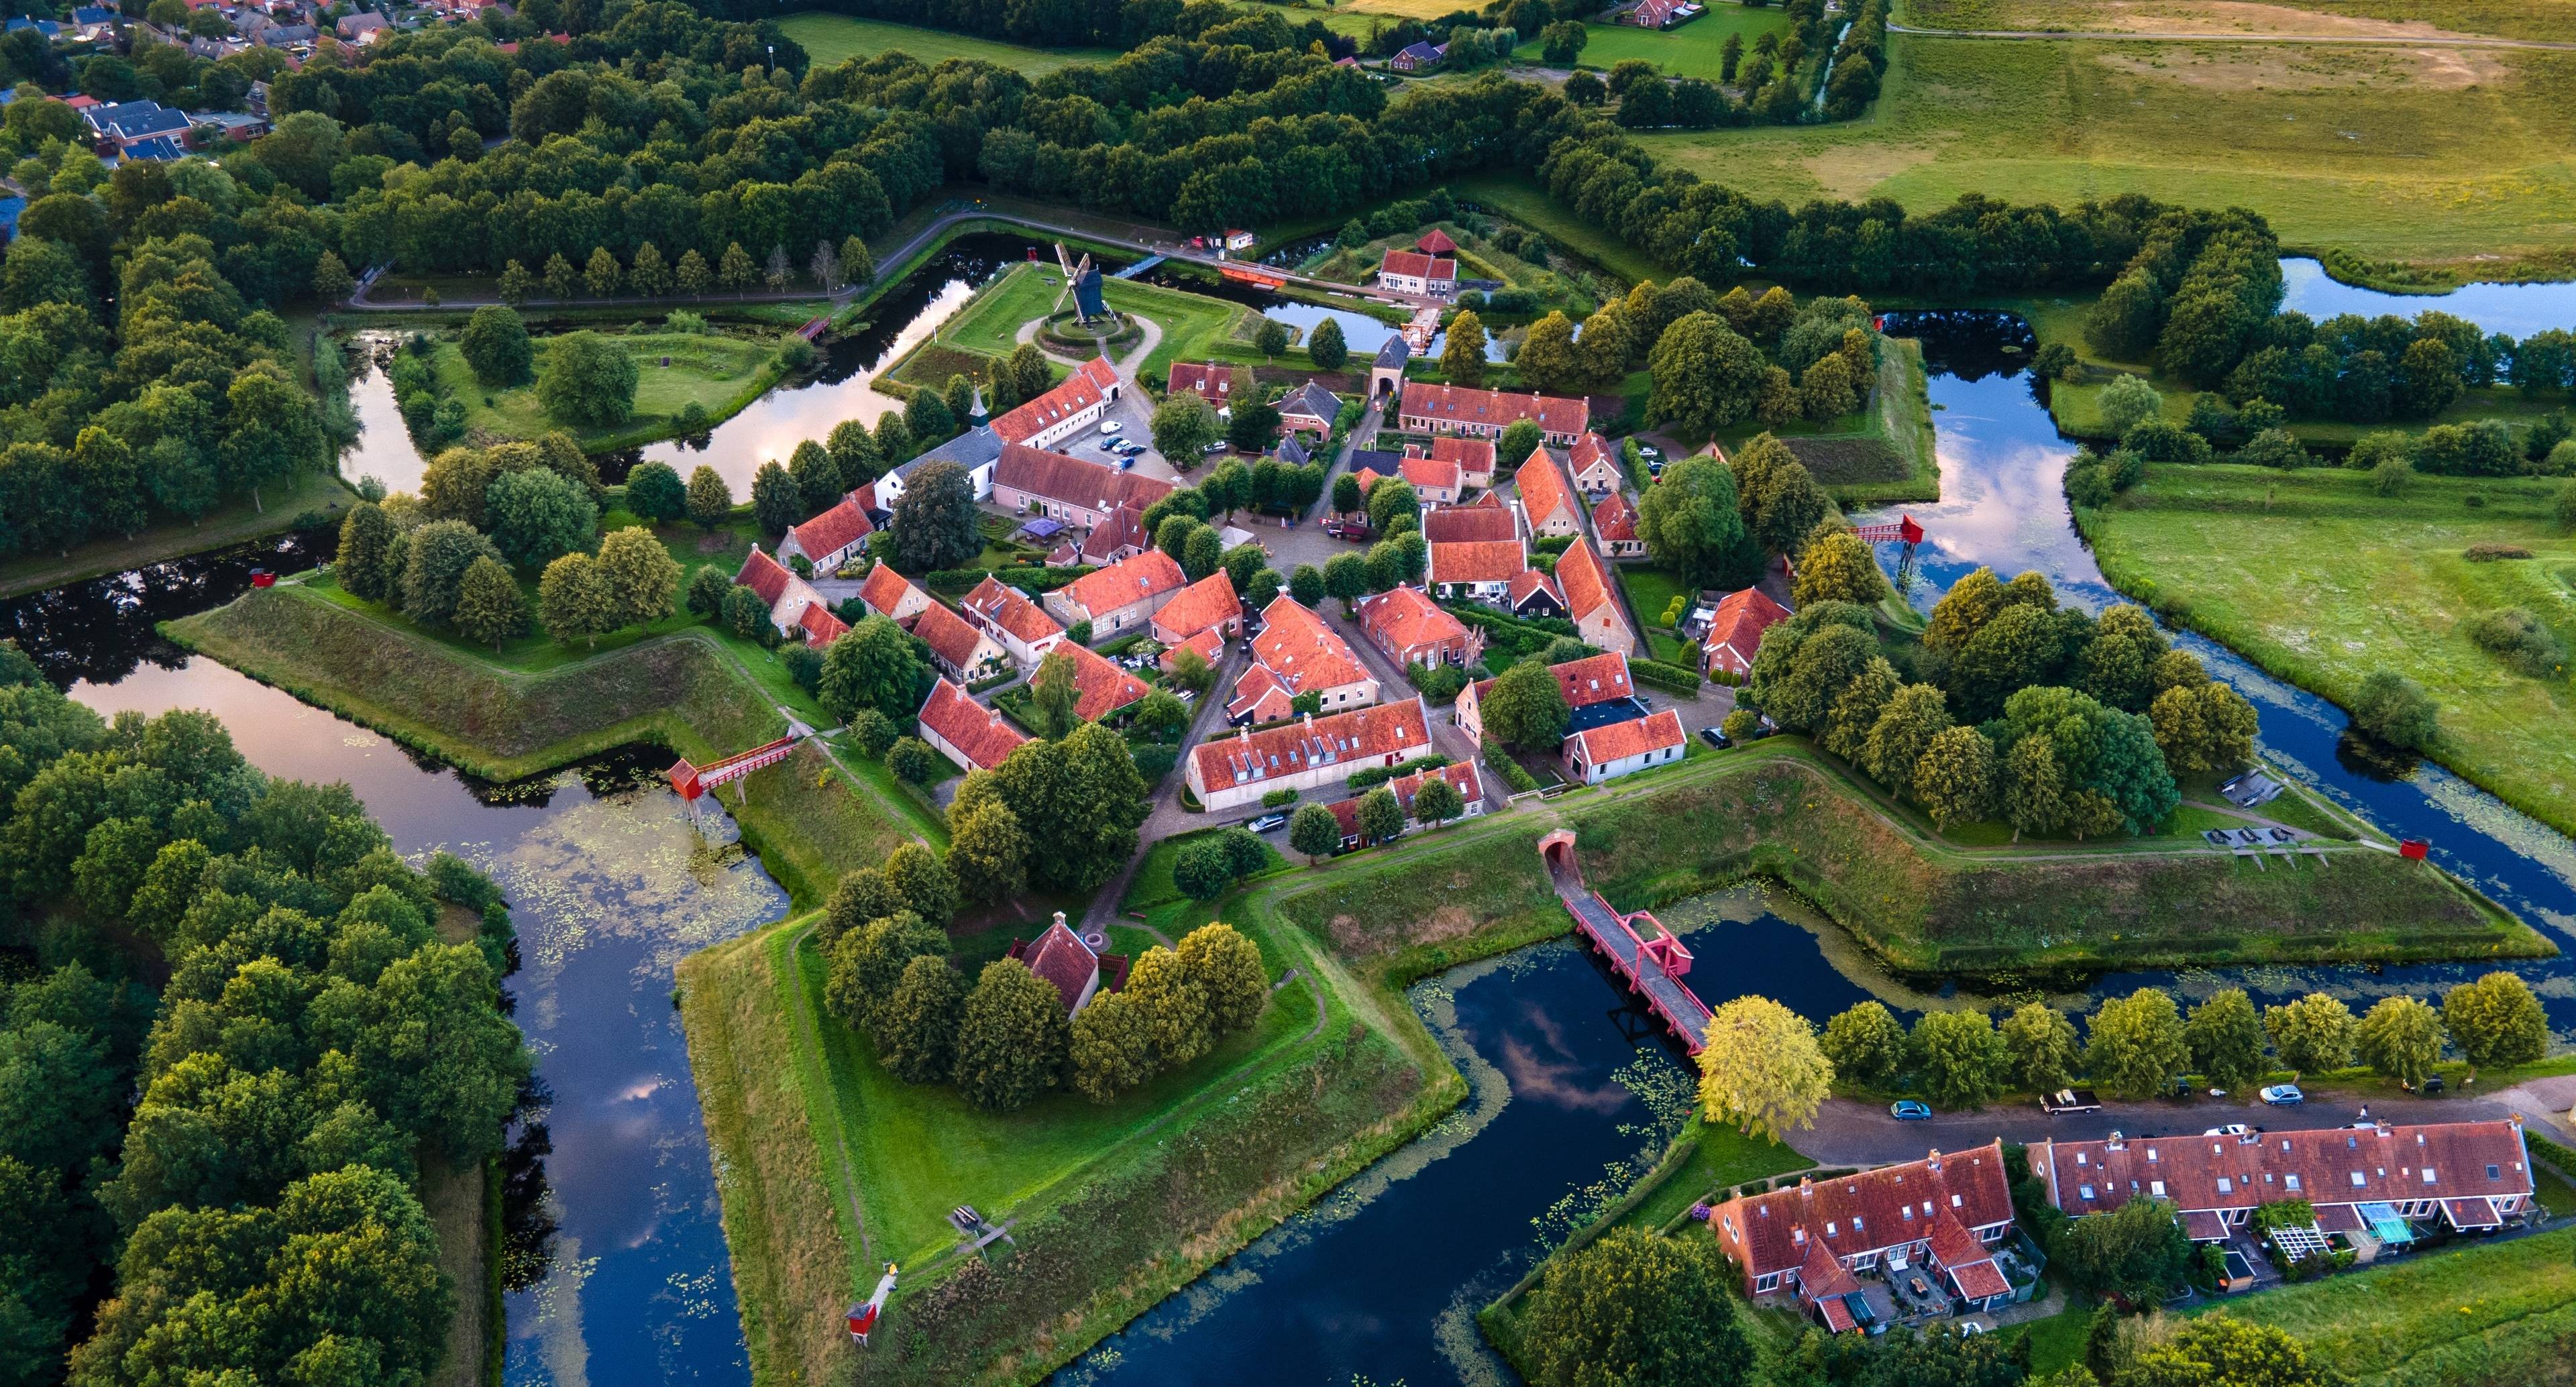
x=230, y=1040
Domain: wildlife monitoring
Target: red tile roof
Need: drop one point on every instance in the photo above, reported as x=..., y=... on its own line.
x=1589, y=451
x=1124, y=529
x=1403, y=618
x=950, y=636
x=1073, y=481
x=1258, y=696
x=1202, y=606
x=841, y=526
x=1418, y=265
x=763, y=574
x=1584, y=579
x=884, y=590
x=1615, y=518
x=1367, y=477
x=1067, y=964
x=978, y=733
x=1617, y=741
x=1593, y=679
x=1008, y=609
x=1211, y=382
x=1554, y=414
x=1101, y=687
x=1863, y=1213
x=1476, y=561
x=1436, y=242
x=1428, y=474
x=1125, y=583
x=1362, y=736
x=1206, y=645
x=2389, y=1162
x=1302, y=651
x=1089, y=384
x=1528, y=581
x=1471, y=454
x=1486, y=520
x=821, y=628
x=1543, y=490
x=1461, y=777
x=1735, y=633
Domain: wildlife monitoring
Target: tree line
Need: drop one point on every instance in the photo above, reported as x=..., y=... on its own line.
x=267, y=1113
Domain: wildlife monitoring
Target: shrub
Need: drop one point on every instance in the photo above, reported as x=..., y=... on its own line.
x=1500, y=762
x=874, y=732
x=912, y=759
x=2128, y=400
x=2517, y=637
x=2396, y=710
x=2494, y=553
x=684, y=321
x=804, y=665
x=1369, y=776
x=1279, y=799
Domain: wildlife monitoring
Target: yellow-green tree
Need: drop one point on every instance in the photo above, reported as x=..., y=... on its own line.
x=1761, y=1069
x=1839, y=567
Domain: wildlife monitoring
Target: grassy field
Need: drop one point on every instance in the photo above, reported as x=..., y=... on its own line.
x=230, y=523
x=2503, y=1312
x=2527, y=19
x=718, y=373
x=1195, y=327
x=2078, y=411
x=1152, y=885
x=1525, y=202
x=1692, y=50
x=990, y=326
x=2320, y=582
x=830, y=39
x=2395, y=154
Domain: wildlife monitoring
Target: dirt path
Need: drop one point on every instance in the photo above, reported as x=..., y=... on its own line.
x=2343, y=40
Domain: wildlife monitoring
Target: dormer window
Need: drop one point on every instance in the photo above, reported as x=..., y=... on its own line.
x=2225, y=1185
x=1830, y=1229
x=2359, y=1180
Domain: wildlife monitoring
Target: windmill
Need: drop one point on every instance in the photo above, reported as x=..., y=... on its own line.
x=1083, y=282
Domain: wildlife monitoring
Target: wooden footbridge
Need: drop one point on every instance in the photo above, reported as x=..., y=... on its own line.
x=1645, y=955
x=693, y=781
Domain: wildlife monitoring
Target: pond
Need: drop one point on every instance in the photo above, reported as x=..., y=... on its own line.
x=2518, y=310
x=771, y=426
x=618, y=1270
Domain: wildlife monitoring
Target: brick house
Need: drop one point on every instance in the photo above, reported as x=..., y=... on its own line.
x=1480, y=569
x=1735, y=632
x=1435, y=480
x=791, y=600
x=1614, y=527
x=959, y=647
x=1457, y=409
x=1007, y=615
x=1486, y=518
x=1078, y=492
x=1120, y=597
x=1944, y=1213
x=1209, y=604
x=1100, y=688
x=1546, y=502
x=1210, y=382
x=964, y=731
x=1592, y=599
x=1303, y=654
x=1226, y=772
x=889, y=594
x=1412, y=272
x=1596, y=465
x=1462, y=778
x=1309, y=408
x=1409, y=628
x=1071, y=964
x=1474, y=457
x=1080, y=399
x=1533, y=594
x=831, y=538
x=1597, y=689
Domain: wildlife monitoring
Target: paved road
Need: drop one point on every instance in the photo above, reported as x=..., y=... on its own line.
x=2119, y=36
x=1849, y=1132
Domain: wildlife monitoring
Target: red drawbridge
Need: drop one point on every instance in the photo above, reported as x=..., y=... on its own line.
x=1651, y=961
x=692, y=780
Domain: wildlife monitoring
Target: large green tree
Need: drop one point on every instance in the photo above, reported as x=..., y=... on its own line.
x=2040, y=1042
x=433, y=572
x=1691, y=521
x=2227, y=1040
x=874, y=664
x=588, y=379
x=2137, y=1048
x=536, y=514
x=935, y=522
x=917, y=1024
x=1012, y=1037
x=1525, y=708
x=1963, y=1061
x=2313, y=1034
x=2496, y=1020
x=1706, y=377
x=495, y=344
x=1632, y=1309
x=1865, y=1043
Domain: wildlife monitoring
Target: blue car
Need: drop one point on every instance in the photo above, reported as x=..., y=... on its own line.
x=1907, y=1110
x=2283, y=1095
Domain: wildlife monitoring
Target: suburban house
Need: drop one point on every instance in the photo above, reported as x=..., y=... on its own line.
x=1546, y=503
x=1485, y=518
x=1412, y=272
x=1225, y=772
x=1435, y=480
x=1596, y=465
x=1309, y=408
x=1007, y=615
x=2366, y=1182
x=1461, y=777
x=1418, y=57
x=1474, y=457
x=1060, y=413
x=1118, y=597
x=1946, y=1214
x=1621, y=748
x=795, y=608
x=1533, y=593
x=1386, y=372
x=1409, y=628
x=1211, y=382
x=1597, y=692
x=958, y=646
x=889, y=594
x=1121, y=536
x=978, y=450
x=1482, y=568
x=1206, y=605
x=830, y=539
x=1100, y=688
x=1735, y=632
x=1592, y=599
x=965, y=731
x=363, y=28
x=1075, y=966
x=126, y=127
x=1614, y=526
x=1662, y=14
x=1435, y=409
x=1078, y=492
x=1298, y=653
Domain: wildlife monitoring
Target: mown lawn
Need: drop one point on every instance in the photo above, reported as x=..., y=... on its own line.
x=990, y=326
x=718, y=373
x=2321, y=582
x=1720, y=1159
x=2493, y=1313
x=1693, y=50
x=830, y=39
x=1153, y=885
x=1195, y=327
x=2381, y=151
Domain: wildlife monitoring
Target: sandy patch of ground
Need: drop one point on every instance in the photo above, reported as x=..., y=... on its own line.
x=2200, y=17
x=1851, y=171
x=2244, y=69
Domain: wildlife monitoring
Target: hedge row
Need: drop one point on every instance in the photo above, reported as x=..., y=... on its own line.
x=1663, y=676
x=1372, y=776
x=1512, y=772
x=1027, y=578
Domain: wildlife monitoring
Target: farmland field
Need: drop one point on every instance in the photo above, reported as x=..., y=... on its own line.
x=2428, y=155
x=831, y=38
x=1692, y=50
x=2522, y=19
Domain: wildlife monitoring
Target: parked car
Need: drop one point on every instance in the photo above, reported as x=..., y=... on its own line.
x=1125, y=461
x=1714, y=738
x=2431, y=1086
x=1908, y=1110
x=1128, y=446
x=2069, y=1100
x=1268, y=822
x=1110, y=426
x=1217, y=447
x=1185, y=695
x=2282, y=1095
x=1346, y=529
x=2232, y=1129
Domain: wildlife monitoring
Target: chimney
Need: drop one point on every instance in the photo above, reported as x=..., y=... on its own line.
x=1806, y=1187
x=1059, y=919
x=1934, y=1160
x=2115, y=1143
